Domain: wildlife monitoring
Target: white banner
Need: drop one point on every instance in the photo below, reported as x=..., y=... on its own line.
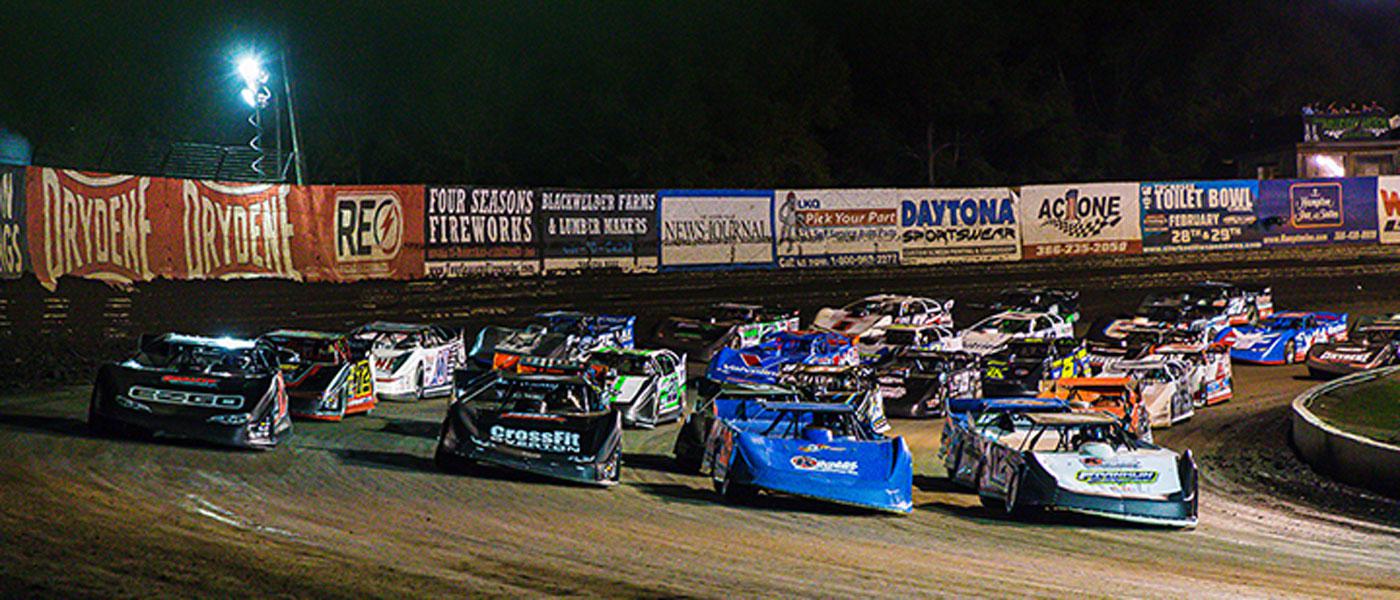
x=1388, y=208
x=958, y=225
x=716, y=228
x=837, y=228
x=1080, y=219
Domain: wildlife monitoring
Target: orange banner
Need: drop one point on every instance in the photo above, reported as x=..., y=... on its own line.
x=124, y=229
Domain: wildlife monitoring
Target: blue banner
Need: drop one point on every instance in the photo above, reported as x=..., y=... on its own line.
x=1183, y=216
x=1296, y=212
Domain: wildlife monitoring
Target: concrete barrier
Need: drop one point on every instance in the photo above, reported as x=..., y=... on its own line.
x=1344, y=456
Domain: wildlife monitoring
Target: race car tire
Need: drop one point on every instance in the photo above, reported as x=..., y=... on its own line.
x=1288, y=348
x=1011, y=505
x=733, y=492
x=418, y=378
x=99, y=425
x=614, y=466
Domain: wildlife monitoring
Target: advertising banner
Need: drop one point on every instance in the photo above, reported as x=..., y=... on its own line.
x=837, y=228
x=1388, y=208
x=234, y=230
x=1318, y=211
x=365, y=232
x=471, y=231
x=1080, y=219
x=1182, y=216
x=96, y=225
x=716, y=228
x=958, y=225
x=609, y=229
x=13, y=247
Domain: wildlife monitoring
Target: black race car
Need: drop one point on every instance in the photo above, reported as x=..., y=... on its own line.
x=1233, y=304
x=724, y=324
x=919, y=383
x=219, y=390
x=1371, y=345
x=551, y=425
x=1019, y=368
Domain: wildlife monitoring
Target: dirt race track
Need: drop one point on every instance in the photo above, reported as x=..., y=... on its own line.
x=357, y=509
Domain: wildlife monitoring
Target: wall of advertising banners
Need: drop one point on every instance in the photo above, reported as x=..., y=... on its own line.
x=598, y=229
x=1296, y=212
x=717, y=229
x=1182, y=216
x=12, y=223
x=837, y=228
x=471, y=231
x=938, y=226
x=1080, y=219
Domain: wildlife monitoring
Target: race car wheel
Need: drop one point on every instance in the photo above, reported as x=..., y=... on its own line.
x=418, y=377
x=1288, y=348
x=733, y=492
x=99, y=425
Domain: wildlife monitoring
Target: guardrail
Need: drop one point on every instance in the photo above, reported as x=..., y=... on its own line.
x=1341, y=455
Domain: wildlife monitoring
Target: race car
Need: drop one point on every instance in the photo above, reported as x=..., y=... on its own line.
x=1084, y=462
x=1235, y=304
x=549, y=425
x=762, y=363
x=815, y=450
x=726, y=324
x=1117, y=396
x=1029, y=299
x=324, y=380
x=1136, y=339
x=409, y=361
x=919, y=383
x=1286, y=337
x=1026, y=366
x=992, y=333
x=691, y=441
x=219, y=390
x=973, y=423
x=877, y=312
x=878, y=346
x=646, y=386
x=843, y=384
x=1209, y=364
x=1168, y=387
x=559, y=336
x=1369, y=346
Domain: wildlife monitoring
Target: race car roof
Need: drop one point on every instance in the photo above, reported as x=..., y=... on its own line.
x=305, y=334
x=390, y=327
x=197, y=340
x=823, y=407
x=1071, y=418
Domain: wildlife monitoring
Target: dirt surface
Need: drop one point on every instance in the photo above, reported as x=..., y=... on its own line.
x=356, y=509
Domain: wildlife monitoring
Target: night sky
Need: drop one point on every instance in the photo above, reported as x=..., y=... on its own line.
x=696, y=94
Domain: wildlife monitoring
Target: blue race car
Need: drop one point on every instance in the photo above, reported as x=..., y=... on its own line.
x=1286, y=337
x=815, y=450
x=762, y=364
x=590, y=331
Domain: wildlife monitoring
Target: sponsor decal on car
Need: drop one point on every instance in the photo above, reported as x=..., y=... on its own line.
x=1116, y=476
x=546, y=441
x=816, y=465
x=818, y=448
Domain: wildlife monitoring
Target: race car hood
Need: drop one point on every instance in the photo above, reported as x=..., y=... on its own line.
x=1257, y=340
x=872, y=474
x=628, y=389
x=984, y=342
x=1126, y=474
x=840, y=321
x=189, y=393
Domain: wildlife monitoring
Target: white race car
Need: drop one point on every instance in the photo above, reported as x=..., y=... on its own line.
x=992, y=333
x=1169, y=386
x=882, y=344
x=874, y=313
x=410, y=361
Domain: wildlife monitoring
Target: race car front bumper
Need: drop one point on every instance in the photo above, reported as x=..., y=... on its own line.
x=255, y=433
x=1038, y=488
x=459, y=446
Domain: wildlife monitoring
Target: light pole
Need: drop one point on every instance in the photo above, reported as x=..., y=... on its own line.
x=258, y=96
